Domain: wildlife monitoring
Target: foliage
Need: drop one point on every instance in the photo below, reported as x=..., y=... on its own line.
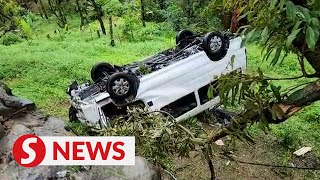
x=278, y=24
x=29, y=25
x=9, y=16
x=48, y=66
x=156, y=136
x=10, y=39
x=194, y=15
x=111, y=7
x=57, y=8
x=62, y=32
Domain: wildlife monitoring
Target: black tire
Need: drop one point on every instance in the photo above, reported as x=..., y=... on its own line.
x=73, y=115
x=122, y=85
x=183, y=38
x=215, y=45
x=101, y=70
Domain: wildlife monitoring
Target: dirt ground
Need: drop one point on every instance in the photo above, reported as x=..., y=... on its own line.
x=266, y=150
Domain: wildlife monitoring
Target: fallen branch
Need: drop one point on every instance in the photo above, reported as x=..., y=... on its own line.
x=15, y=113
x=304, y=97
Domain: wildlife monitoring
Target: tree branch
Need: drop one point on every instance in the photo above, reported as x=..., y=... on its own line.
x=303, y=97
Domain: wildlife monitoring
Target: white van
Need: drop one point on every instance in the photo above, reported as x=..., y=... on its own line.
x=175, y=80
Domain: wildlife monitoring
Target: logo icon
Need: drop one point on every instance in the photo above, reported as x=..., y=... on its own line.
x=29, y=150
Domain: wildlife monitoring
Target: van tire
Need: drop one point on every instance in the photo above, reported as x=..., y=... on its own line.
x=121, y=85
x=101, y=70
x=215, y=45
x=183, y=38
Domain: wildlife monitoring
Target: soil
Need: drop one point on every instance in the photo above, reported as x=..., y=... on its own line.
x=266, y=151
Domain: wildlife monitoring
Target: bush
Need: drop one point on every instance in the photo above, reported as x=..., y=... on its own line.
x=289, y=140
x=10, y=38
x=154, y=30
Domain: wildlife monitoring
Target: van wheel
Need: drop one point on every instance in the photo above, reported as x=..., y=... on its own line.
x=122, y=85
x=101, y=70
x=73, y=115
x=215, y=46
x=183, y=38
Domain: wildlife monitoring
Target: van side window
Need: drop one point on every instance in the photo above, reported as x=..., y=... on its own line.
x=203, y=92
x=181, y=106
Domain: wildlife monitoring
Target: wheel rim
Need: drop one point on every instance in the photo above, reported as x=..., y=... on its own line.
x=121, y=87
x=215, y=44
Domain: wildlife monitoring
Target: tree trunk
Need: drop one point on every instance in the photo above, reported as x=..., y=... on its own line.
x=103, y=29
x=99, y=15
x=226, y=20
x=43, y=9
x=313, y=58
x=143, y=13
x=111, y=32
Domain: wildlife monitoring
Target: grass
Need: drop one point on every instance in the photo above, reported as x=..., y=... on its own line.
x=41, y=69
x=301, y=129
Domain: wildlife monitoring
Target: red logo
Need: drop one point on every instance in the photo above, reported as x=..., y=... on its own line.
x=29, y=150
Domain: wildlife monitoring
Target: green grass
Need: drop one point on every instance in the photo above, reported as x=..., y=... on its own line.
x=41, y=69
x=302, y=128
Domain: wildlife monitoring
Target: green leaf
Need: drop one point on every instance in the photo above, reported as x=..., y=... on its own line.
x=315, y=22
x=291, y=10
x=317, y=33
x=305, y=13
x=25, y=28
x=292, y=37
x=210, y=92
x=276, y=56
x=311, y=38
x=264, y=35
x=273, y=4
x=276, y=91
x=250, y=35
x=281, y=4
x=244, y=15
x=268, y=53
x=296, y=26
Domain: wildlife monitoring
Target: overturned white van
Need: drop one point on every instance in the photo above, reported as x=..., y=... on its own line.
x=175, y=80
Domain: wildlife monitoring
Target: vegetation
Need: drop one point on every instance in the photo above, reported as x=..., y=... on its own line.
x=46, y=44
x=294, y=28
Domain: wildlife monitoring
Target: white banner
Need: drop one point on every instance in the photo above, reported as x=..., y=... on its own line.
x=31, y=150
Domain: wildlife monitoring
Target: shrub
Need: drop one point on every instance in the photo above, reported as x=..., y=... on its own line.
x=154, y=30
x=10, y=38
x=289, y=140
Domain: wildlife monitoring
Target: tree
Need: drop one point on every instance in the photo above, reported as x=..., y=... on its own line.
x=81, y=9
x=9, y=16
x=143, y=12
x=99, y=14
x=111, y=8
x=56, y=7
x=279, y=26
